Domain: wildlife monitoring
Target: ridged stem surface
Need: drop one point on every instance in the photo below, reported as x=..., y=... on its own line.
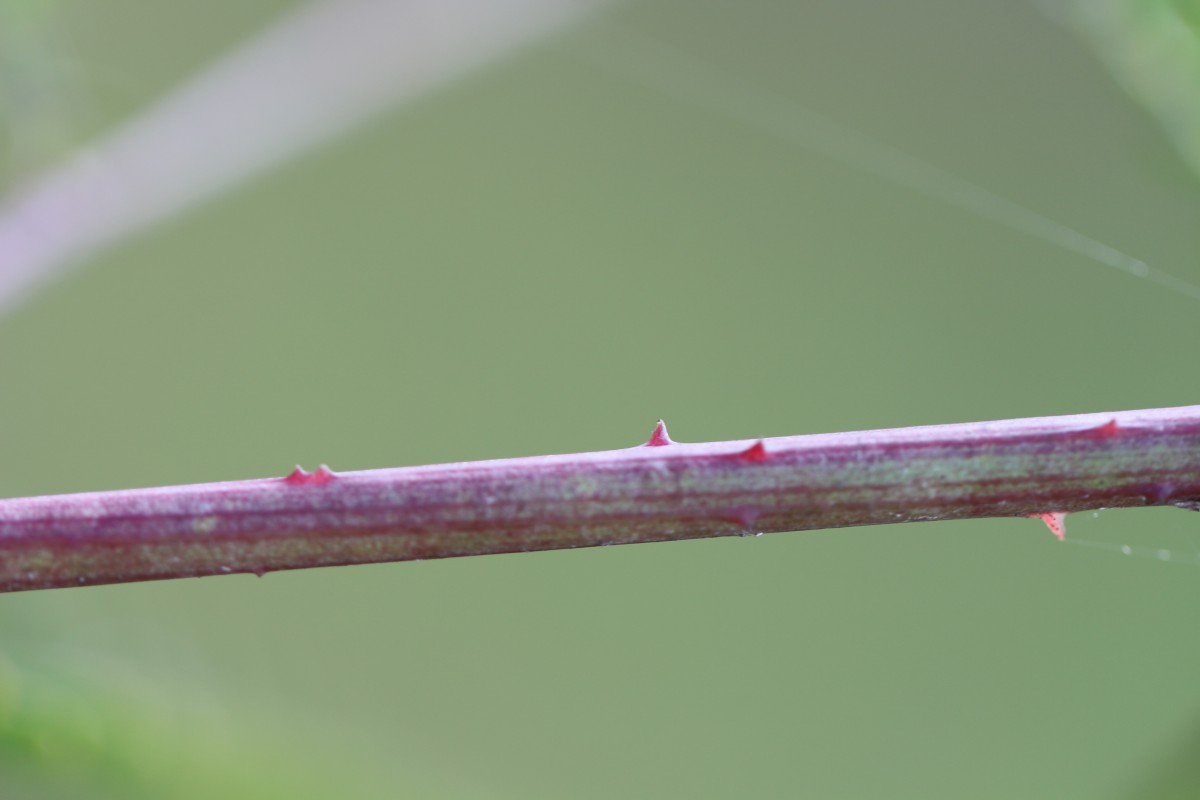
x=659, y=491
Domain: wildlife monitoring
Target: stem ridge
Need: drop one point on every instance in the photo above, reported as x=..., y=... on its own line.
x=660, y=491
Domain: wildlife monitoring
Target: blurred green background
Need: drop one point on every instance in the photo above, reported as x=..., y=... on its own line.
x=545, y=257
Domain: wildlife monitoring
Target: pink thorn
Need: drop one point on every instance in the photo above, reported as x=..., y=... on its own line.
x=298, y=477
x=321, y=476
x=755, y=452
x=1056, y=521
x=1107, y=430
x=660, y=437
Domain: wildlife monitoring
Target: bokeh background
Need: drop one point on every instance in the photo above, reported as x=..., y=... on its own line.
x=547, y=256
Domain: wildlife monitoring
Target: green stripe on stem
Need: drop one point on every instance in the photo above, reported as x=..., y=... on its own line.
x=667, y=491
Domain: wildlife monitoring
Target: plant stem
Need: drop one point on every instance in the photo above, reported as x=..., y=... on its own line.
x=655, y=492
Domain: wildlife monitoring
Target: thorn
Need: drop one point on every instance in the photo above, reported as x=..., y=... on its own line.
x=301, y=477
x=1107, y=430
x=660, y=437
x=298, y=476
x=1056, y=521
x=259, y=572
x=755, y=452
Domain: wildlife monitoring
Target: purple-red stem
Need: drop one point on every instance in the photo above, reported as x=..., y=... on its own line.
x=659, y=491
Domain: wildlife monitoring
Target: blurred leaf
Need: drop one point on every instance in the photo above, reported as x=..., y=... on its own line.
x=37, y=92
x=1153, y=49
x=91, y=729
x=1175, y=775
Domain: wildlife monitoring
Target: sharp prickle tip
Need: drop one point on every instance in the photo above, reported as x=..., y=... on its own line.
x=755, y=452
x=660, y=437
x=1056, y=521
x=319, y=477
x=297, y=476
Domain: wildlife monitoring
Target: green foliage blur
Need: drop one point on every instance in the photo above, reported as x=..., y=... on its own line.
x=1153, y=49
x=546, y=257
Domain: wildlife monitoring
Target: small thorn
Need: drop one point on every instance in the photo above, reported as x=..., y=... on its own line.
x=660, y=437
x=301, y=477
x=1107, y=430
x=298, y=476
x=1056, y=521
x=755, y=452
x=259, y=572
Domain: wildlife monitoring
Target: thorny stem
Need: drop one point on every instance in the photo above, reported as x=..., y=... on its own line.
x=659, y=491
